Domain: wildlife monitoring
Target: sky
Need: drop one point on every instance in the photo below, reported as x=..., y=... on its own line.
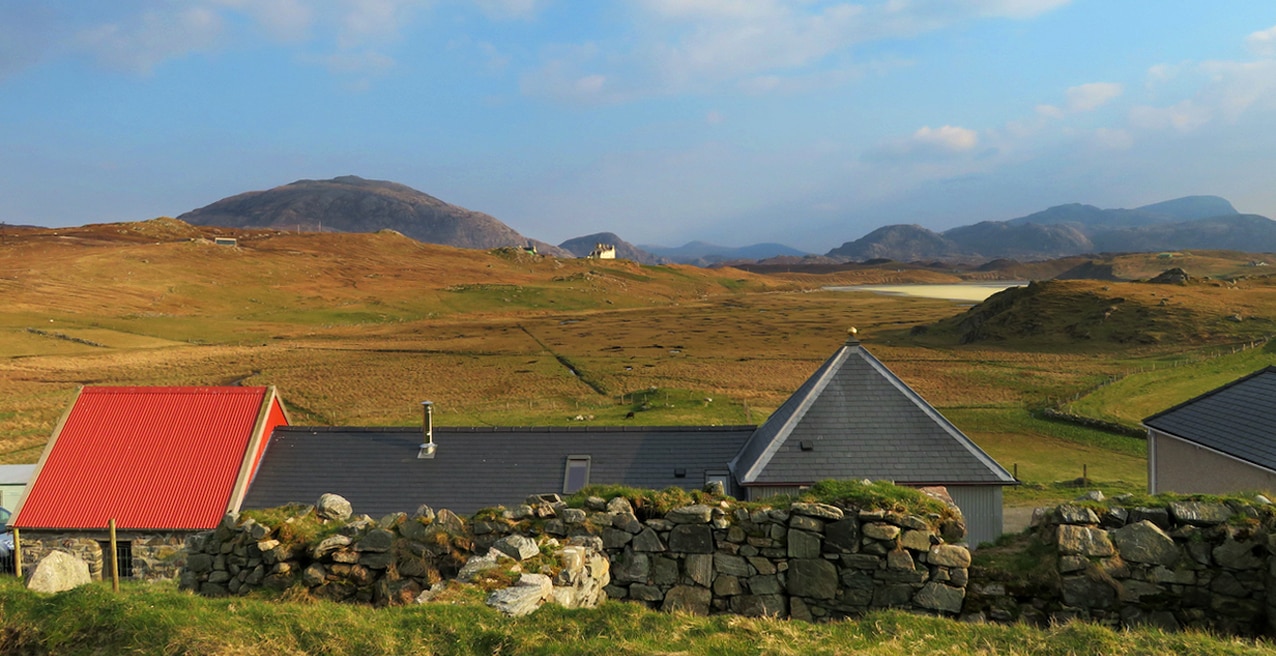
x=805, y=122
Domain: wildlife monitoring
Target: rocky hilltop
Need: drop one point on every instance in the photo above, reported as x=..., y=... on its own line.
x=353, y=204
x=582, y=246
x=1192, y=222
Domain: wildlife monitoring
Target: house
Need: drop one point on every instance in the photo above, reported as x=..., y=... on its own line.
x=13, y=480
x=162, y=462
x=1221, y=441
x=602, y=252
x=855, y=419
x=852, y=419
x=385, y=470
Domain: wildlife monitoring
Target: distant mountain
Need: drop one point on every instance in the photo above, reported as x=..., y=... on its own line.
x=1020, y=240
x=1200, y=222
x=703, y=253
x=582, y=246
x=353, y=204
x=899, y=242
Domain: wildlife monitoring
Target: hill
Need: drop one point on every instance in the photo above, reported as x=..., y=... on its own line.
x=353, y=204
x=1193, y=222
x=582, y=246
x=1065, y=312
x=702, y=253
x=900, y=242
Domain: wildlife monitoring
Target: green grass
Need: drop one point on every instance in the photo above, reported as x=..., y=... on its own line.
x=1052, y=455
x=158, y=620
x=1137, y=396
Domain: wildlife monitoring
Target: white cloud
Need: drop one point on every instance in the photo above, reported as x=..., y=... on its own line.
x=139, y=43
x=1185, y=116
x=509, y=9
x=1015, y=8
x=762, y=46
x=1082, y=98
x=1262, y=42
x=1112, y=139
x=927, y=143
x=1088, y=97
x=287, y=20
x=947, y=137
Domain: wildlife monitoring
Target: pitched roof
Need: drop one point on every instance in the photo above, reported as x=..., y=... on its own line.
x=163, y=458
x=1238, y=419
x=378, y=471
x=854, y=418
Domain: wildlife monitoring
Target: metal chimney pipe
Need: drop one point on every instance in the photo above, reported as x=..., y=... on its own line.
x=427, y=449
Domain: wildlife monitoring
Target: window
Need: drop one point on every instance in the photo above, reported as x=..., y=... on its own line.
x=123, y=555
x=722, y=476
x=577, y=474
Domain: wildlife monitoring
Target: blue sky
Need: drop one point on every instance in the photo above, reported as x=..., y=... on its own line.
x=808, y=122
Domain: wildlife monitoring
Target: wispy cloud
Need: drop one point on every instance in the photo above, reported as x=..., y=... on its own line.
x=139, y=43
x=1083, y=98
x=762, y=46
x=928, y=143
x=1262, y=42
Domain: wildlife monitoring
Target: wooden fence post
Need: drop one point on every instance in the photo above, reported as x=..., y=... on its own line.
x=115, y=559
x=17, y=553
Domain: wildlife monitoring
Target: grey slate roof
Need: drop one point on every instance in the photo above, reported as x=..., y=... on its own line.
x=860, y=420
x=378, y=471
x=1238, y=419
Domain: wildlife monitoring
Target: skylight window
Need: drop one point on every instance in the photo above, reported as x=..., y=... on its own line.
x=577, y=474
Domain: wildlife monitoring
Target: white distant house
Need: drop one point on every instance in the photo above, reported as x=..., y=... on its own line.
x=602, y=252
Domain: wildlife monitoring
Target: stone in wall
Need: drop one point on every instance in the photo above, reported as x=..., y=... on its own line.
x=1199, y=564
x=811, y=561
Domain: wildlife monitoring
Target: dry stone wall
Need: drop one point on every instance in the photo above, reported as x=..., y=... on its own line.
x=809, y=561
x=1197, y=564
x=154, y=556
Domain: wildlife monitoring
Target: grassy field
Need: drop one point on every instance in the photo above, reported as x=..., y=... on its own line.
x=148, y=619
x=357, y=329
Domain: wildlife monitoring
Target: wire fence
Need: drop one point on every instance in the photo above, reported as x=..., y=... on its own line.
x=1061, y=409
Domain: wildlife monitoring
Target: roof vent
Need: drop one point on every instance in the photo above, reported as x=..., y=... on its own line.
x=807, y=445
x=428, y=447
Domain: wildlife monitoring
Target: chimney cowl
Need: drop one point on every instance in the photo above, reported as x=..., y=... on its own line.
x=428, y=447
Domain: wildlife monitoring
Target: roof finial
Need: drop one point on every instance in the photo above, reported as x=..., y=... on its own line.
x=851, y=335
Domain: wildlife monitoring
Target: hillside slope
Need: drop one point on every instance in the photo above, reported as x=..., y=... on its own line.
x=353, y=204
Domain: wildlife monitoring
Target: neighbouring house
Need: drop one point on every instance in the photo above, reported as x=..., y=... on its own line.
x=162, y=462
x=386, y=470
x=853, y=419
x=1221, y=441
x=602, y=252
x=13, y=480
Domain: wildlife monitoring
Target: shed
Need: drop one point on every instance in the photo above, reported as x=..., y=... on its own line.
x=1219, y=442
x=855, y=419
x=163, y=462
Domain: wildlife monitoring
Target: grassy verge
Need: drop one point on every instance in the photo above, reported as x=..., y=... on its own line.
x=1050, y=456
x=157, y=620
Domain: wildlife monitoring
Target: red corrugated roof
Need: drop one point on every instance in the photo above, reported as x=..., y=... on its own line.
x=148, y=457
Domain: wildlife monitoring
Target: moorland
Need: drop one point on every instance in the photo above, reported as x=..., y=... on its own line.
x=358, y=328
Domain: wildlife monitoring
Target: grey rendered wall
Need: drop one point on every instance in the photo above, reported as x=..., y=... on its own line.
x=981, y=505
x=1183, y=467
